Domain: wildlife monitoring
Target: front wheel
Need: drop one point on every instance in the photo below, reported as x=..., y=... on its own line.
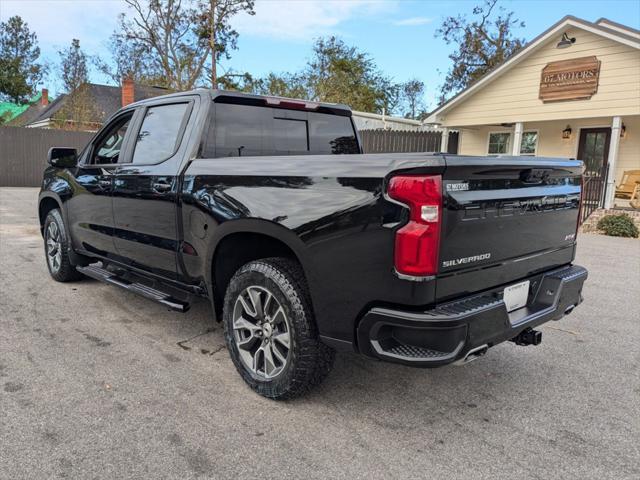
x=270, y=330
x=56, y=249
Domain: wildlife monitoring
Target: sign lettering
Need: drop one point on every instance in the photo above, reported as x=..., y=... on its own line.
x=575, y=79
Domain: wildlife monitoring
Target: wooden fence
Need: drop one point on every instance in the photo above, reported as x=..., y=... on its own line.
x=388, y=141
x=23, y=152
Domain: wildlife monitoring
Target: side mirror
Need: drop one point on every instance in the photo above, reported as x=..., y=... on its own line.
x=62, y=157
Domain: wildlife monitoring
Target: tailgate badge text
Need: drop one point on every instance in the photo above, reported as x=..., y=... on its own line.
x=457, y=187
x=465, y=260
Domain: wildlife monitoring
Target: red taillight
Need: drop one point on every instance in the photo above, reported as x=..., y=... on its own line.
x=418, y=242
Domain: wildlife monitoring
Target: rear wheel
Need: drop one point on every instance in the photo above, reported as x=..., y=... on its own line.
x=56, y=249
x=270, y=330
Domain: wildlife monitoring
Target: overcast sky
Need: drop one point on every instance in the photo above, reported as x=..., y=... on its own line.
x=398, y=34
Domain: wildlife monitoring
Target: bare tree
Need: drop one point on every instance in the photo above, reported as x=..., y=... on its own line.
x=78, y=112
x=174, y=43
x=73, y=66
x=215, y=16
x=412, y=94
x=482, y=44
x=130, y=60
x=165, y=33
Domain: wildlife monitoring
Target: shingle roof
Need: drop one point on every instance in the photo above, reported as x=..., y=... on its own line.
x=105, y=99
x=605, y=22
x=36, y=111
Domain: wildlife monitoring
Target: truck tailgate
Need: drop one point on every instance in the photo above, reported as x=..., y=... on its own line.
x=500, y=212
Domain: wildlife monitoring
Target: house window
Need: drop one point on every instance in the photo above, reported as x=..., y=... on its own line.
x=499, y=143
x=529, y=143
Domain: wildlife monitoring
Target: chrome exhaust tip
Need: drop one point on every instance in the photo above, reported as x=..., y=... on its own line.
x=473, y=354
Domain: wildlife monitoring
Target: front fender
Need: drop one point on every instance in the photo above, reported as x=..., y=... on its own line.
x=57, y=187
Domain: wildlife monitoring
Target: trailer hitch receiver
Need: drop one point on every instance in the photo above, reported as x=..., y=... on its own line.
x=528, y=336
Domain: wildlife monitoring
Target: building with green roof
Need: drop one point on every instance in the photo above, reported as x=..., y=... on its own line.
x=10, y=110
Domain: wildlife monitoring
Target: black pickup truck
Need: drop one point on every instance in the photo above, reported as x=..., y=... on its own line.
x=305, y=245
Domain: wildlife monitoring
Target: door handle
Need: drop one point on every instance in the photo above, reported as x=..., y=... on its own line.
x=161, y=187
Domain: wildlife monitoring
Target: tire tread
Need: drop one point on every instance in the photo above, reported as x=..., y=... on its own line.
x=67, y=271
x=314, y=359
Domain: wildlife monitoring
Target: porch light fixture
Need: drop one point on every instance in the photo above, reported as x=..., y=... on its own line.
x=623, y=131
x=566, y=41
x=566, y=133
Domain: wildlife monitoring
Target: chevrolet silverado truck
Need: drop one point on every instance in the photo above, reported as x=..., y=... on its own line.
x=305, y=245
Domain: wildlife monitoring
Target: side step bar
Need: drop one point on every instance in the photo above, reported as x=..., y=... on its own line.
x=158, y=296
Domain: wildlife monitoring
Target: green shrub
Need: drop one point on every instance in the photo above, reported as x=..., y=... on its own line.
x=618, y=226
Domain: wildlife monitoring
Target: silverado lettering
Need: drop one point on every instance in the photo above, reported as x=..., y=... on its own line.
x=302, y=244
x=462, y=261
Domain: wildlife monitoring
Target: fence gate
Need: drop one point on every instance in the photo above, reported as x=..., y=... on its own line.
x=593, y=190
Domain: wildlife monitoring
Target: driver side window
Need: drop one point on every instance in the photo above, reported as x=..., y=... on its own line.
x=108, y=148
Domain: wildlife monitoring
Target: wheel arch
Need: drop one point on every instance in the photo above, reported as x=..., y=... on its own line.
x=241, y=241
x=47, y=202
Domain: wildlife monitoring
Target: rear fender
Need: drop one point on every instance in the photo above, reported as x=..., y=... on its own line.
x=261, y=227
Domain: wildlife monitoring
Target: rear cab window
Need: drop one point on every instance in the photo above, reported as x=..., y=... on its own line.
x=250, y=130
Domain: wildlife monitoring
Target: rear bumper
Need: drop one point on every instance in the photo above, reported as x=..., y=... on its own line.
x=450, y=331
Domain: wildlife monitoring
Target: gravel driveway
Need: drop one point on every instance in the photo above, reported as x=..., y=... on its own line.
x=98, y=383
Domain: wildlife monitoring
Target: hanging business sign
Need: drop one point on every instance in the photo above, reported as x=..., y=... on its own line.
x=575, y=79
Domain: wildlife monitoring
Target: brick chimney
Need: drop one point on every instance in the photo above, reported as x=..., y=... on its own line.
x=44, y=99
x=127, y=91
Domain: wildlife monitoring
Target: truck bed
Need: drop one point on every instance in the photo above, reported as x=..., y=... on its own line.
x=503, y=218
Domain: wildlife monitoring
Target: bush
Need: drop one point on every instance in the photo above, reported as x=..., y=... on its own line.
x=618, y=226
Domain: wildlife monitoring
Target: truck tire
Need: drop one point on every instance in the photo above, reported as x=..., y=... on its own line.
x=56, y=249
x=270, y=330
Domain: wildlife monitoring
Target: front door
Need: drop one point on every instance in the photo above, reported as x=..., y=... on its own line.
x=145, y=190
x=89, y=209
x=593, y=149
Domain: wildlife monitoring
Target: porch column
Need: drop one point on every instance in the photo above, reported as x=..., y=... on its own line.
x=444, y=141
x=517, y=139
x=613, y=157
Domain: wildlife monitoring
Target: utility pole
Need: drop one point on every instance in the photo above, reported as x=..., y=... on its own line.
x=212, y=44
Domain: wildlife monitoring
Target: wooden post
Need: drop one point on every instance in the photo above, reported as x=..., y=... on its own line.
x=610, y=192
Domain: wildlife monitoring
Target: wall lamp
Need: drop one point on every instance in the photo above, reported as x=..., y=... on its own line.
x=566, y=41
x=566, y=133
x=623, y=131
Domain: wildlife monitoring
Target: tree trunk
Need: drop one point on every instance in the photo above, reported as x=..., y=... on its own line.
x=212, y=45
